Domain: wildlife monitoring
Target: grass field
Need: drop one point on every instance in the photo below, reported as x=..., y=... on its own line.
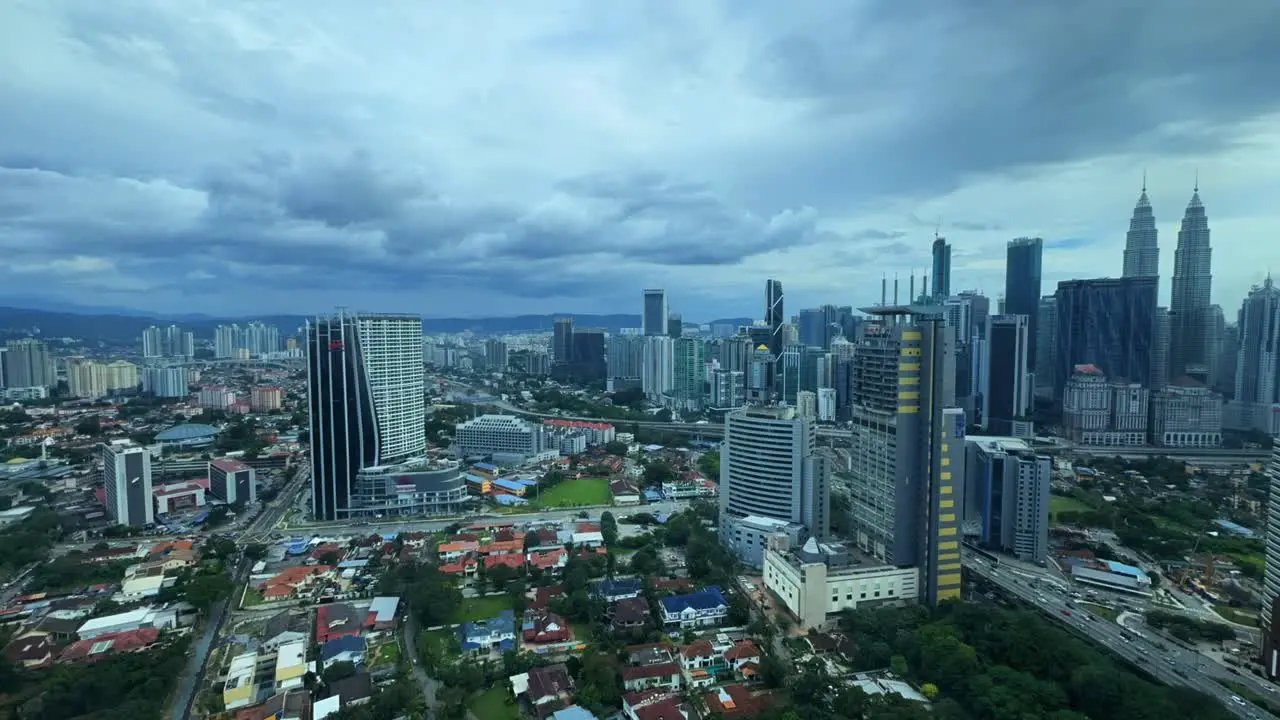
x=251, y=597
x=1236, y=615
x=1102, y=611
x=1059, y=503
x=573, y=493
x=386, y=654
x=492, y=705
x=481, y=608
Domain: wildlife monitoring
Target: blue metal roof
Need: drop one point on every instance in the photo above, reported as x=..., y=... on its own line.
x=187, y=431
x=337, y=646
x=705, y=599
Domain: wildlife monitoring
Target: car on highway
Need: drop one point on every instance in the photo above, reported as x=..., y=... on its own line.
x=1238, y=700
x=1066, y=613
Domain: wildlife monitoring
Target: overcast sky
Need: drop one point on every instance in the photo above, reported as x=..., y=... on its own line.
x=496, y=158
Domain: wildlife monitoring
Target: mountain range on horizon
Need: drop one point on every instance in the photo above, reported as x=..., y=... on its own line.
x=123, y=324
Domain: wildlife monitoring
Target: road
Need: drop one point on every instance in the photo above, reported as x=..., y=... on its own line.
x=193, y=674
x=1167, y=662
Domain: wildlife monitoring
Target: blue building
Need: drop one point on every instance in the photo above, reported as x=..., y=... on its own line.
x=497, y=633
x=700, y=609
x=1007, y=489
x=1109, y=323
x=614, y=589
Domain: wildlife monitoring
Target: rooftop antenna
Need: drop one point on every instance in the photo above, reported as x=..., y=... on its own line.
x=884, y=289
x=911, y=288
x=1144, y=180
x=937, y=227
x=924, y=285
x=895, y=288
x=1197, y=186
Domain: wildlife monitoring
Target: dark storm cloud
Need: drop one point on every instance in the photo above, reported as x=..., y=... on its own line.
x=950, y=89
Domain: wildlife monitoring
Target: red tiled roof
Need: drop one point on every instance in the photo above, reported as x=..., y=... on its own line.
x=511, y=561
x=742, y=650
x=650, y=671
x=109, y=644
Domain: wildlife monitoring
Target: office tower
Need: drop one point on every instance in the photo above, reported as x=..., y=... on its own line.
x=655, y=312
x=165, y=382
x=625, y=357
x=232, y=481
x=1022, y=286
x=941, y=268
x=1189, y=302
x=1228, y=360
x=1186, y=414
x=365, y=387
x=760, y=373
x=826, y=404
x=27, y=364
x=1007, y=391
x=774, y=317
x=787, y=370
x=1007, y=496
x=675, y=325
x=812, y=327
x=1046, y=349
x=807, y=404
x=126, y=478
x=769, y=468
x=562, y=341
x=1215, y=327
x=589, y=364
x=689, y=373
x=1255, y=401
x=728, y=388
x=1141, y=244
x=658, y=374
x=495, y=355
x=907, y=449
x=1098, y=411
x=967, y=314
x=1270, y=614
x=734, y=353
x=1110, y=323
x=1160, y=352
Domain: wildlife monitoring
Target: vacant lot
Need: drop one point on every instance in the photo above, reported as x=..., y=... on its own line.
x=481, y=608
x=1059, y=503
x=573, y=493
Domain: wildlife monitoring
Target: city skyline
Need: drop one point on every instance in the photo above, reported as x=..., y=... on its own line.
x=285, y=159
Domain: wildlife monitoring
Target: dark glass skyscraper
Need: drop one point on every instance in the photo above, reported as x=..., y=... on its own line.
x=1110, y=323
x=1022, y=276
x=1189, y=302
x=773, y=315
x=562, y=341
x=1006, y=395
x=655, y=312
x=366, y=391
x=941, y=268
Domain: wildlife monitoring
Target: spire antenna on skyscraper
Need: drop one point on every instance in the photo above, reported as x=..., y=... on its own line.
x=1144, y=180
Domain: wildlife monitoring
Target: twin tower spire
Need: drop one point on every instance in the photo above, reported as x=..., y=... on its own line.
x=1142, y=246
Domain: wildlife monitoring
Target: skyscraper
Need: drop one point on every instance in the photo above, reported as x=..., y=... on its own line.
x=675, y=325
x=941, y=268
x=1007, y=391
x=126, y=479
x=562, y=341
x=1256, y=400
x=689, y=371
x=907, y=450
x=1270, y=615
x=774, y=317
x=655, y=312
x=365, y=387
x=1045, y=339
x=1110, y=323
x=1189, y=302
x=27, y=365
x=1141, y=245
x=657, y=375
x=1022, y=276
x=769, y=467
x=1007, y=494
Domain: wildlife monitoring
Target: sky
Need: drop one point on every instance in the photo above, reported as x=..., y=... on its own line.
x=484, y=158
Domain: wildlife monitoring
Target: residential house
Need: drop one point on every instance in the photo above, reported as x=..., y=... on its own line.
x=326, y=551
x=61, y=627
x=549, y=686
x=573, y=712
x=701, y=663
x=632, y=702
x=612, y=590
x=144, y=617
x=744, y=660
x=239, y=689
x=515, y=562
x=549, y=559
x=625, y=492
x=464, y=568
x=629, y=614
x=451, y=552
x=734, y=702
x=338, y=620
x=347, y=648
x=288, y=583
x=498, y=633
x=668, y=709
x=700, y=609
x=292, y=704
x=291, y=665
x=544, y=626
x=349, y=691
x=650, y=654
x=383, y=612
x=540, y=597
x=31, y=651
x=103, y=646
x=284, y=627
x=663, y=675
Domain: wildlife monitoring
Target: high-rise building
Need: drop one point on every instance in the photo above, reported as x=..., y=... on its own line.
x=812, y=326
x=1046, y=349
x=941, y=268
x=562, y=341
x=366, y=391
x=655, y=312
x=1006, y=391
x=1160, y=353
x=166, y=382
x=1141, y=244
x=1109, y=323
x=1022, y=276
x=774, y=317
x=495, y=355
x=1186, y=414
x=168, y=342
x=907, y=450
x=1215, y=328
x=589, y=364
x=1101, y=412
x=1189, y=302
x=1007, y=496
x=1270, y=614
x=689, y=368
x=27, y=364
x=500, y=437
x=126, y=478
x=626, y=360
x=658, y=373
x=232, y=481
x=1255, y=402
x=769, y=468
x=675, y=325
x=728, y=388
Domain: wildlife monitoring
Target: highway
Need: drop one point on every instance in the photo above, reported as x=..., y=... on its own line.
x=1166, y=661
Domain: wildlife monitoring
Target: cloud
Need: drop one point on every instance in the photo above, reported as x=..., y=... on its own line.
x=484, y=159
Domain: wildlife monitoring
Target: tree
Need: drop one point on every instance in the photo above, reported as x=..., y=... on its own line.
x=338, y=671
x=255, y=551
x=608, y=528
x=615, y=447
x=91, y=426
x=709, y=464
x=898, y=664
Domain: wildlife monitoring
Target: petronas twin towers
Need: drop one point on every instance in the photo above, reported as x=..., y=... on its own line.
x=1189, y=313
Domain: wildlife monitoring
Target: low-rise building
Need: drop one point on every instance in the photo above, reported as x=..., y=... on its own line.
x=748, y=536
x=348, y=648
x=291, y=665
x=239, y=689
x=821, y=579
x=703, y=608
x=498, y=633
x=137, y=619
x=661, y=676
